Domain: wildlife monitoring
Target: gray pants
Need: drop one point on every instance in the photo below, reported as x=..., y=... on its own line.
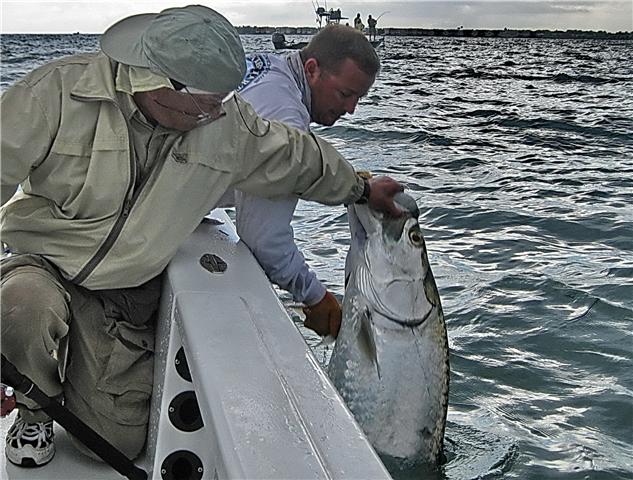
x=94, y=348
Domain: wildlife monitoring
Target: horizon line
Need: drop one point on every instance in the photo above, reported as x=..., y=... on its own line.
x=379, y=29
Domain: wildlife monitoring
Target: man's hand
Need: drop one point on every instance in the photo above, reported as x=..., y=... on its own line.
x=324, y=317
x=381, y=193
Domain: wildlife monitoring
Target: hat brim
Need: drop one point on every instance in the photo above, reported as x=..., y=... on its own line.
x=122, y=41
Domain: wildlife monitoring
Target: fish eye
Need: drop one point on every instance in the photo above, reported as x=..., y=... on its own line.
x=415, y=235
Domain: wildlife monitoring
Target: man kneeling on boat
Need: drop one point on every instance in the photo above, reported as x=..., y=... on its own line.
x=118, y=162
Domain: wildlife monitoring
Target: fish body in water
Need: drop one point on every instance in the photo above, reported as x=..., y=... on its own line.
x=390, y=362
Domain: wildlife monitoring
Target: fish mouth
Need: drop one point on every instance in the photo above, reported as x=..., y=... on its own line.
x=394, y=226
x=365, y=221
x=407, y=203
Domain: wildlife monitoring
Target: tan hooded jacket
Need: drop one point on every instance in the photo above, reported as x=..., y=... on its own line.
x=66, y=142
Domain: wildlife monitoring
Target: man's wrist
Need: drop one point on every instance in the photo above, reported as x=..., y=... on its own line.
x=364, y=197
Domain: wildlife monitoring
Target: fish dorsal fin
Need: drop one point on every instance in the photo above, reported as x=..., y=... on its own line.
x=367, y=339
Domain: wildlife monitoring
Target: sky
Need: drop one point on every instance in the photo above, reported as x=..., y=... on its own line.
x=87, y=16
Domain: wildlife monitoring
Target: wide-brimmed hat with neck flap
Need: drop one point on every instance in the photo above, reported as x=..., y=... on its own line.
x=193, y=45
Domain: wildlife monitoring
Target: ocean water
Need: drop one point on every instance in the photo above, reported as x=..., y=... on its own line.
x=520, y=155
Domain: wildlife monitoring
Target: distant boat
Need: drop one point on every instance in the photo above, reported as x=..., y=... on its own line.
x=280, y=43
x=324, y=16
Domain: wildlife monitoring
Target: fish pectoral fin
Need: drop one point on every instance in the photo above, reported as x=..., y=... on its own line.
x=367, y=340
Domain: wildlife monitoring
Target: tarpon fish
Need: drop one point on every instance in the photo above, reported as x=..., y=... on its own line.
x=390, y=362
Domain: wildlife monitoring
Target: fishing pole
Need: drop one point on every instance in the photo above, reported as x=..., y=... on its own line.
x=317, y=9
x=378, y=18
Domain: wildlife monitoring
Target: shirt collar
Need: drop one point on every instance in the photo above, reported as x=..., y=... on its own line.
x=296, y=67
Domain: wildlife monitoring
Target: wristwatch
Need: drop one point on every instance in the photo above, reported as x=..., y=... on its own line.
x=364, y=198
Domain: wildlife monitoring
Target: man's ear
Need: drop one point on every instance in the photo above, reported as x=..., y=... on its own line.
x=312, y=70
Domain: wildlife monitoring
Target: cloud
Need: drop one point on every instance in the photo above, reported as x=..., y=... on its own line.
x=610, y=15
x=94, y=16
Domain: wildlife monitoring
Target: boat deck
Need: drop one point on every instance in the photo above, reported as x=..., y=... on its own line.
x=68, y=463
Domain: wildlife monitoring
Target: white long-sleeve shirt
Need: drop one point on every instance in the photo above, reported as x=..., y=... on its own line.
x=264, y=224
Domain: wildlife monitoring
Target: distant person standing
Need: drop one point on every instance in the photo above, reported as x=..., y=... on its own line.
x=371, y=23
x=358, y=23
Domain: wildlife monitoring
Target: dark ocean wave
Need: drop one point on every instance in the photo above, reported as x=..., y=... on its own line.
x=489, y=101
x=402, y=56
x=19, y=60
x=558, y=77
x=544, y=125
x=348, y=133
